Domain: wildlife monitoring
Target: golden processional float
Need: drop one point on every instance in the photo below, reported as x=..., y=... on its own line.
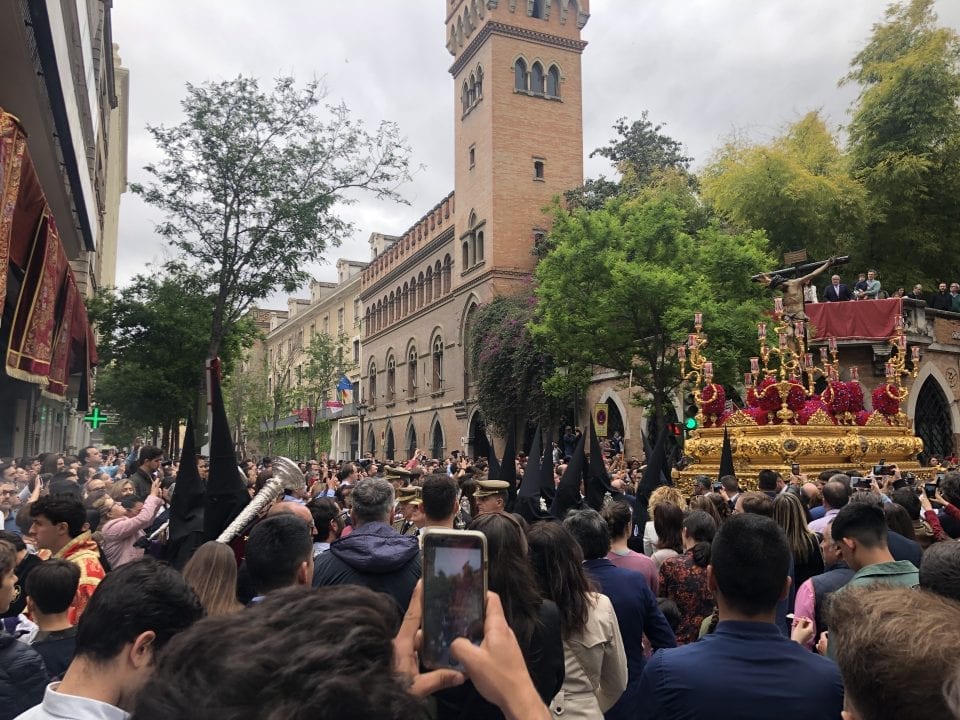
x=786, y=421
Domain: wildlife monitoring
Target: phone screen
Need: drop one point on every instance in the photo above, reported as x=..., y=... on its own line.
x=878, y=470
x=930, y=489
x=795, y=468
x=454, y=592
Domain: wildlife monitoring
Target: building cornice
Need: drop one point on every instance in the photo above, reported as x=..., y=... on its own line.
x=511, y=31
x=411, y=261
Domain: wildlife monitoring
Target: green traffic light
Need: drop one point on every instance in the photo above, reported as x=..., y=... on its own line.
x=690, y=423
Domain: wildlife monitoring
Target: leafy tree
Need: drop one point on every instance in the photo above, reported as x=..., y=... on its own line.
x=622, y=284
x=905, y=141
x=510, y=370
x=798, y=188
x=325, y=365
x=153, y=341
x=249, y=183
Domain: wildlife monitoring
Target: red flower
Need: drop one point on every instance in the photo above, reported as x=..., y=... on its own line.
x=714, y=399
x=855, y=391
x=883, y=402
x=863, y=417
x=836, y=396
x=810, y=407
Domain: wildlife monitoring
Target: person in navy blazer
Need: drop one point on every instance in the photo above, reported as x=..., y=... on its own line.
x=836, y=291
x=635, y=605
x=777, y=677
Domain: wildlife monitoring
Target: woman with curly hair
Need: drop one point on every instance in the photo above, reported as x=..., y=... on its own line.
x=683, y=579
x=594, y=657
x=663, y=494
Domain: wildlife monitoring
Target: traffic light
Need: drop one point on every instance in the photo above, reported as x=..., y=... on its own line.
x=674, y=429
x=690, y=411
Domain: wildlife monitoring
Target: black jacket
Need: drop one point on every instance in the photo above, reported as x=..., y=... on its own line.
x=376, y=556
x=23, y=677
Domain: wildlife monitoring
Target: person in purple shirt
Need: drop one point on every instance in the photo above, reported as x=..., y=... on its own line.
x=748, y=574
x=619, y=519
x=636, y=606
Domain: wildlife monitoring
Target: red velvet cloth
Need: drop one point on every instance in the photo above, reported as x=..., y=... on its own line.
x=854, y=320
x=13, y=149
x=64, y=345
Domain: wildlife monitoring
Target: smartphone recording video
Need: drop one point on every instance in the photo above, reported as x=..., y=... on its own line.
x=795, y=468
x=454, y=592
x=930, y=490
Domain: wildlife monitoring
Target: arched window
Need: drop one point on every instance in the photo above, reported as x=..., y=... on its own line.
x=437, y=384
x=536, y=79
x=370, y=444
x=437, y=279
x=412, y=374
x=553, y=81
x=379, y=314
x=436, y=442
x=465, y=96
x=366, y=322
x=472, y=92
x=537, y=10
x=391, y=379
x=479, y=82
x=388, y=449
x=520, y=75
x=390, y=303
x=447, y=271
x=466, y=254
x=479, y=246
x=411, y=440
x=372, y=385
x=419, y=291
x=428, y=284
x=406, y=298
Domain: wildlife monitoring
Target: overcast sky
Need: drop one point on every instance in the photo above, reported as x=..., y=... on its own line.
x=704, y=68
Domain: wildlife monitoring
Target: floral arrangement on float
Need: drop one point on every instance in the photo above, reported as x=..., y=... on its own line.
x=782, y=380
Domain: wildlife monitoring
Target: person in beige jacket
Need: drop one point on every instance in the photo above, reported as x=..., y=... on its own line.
x=594, y=657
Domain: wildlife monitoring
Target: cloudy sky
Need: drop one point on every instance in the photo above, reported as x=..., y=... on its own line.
x=705, y=68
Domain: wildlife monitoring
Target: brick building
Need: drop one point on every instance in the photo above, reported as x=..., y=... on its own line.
x=519, y=142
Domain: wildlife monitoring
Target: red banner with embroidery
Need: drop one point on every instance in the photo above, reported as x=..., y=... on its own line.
x=854, y=320
x=13, y=147
x=30, y=351
x=66, y=344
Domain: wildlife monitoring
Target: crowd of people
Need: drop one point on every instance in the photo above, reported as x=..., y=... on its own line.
x=806, y=597
x=868, y=287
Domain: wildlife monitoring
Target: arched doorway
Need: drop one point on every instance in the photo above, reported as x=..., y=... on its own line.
x=388, y=447
x=932, y=420
x=411, y=443
x=436, y=442
x=370, y=446
x=477, y=443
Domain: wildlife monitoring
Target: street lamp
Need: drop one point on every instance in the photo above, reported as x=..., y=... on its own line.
x=361, y=413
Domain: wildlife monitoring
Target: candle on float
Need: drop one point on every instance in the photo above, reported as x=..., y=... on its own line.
x=778, y=305
x=783, y=341
x=899, y=322
x=708, y=369
x=754, y=365
x=888, y=369
x=692, y=340
x=916, y=353
x=823, y=355
x=799, y=327
x=832, y=342
x=762, y=330
x=681, y=353
x=902, y=343
x=747, y=379
x=808, y=360
x=854, y=373
x=698, y=319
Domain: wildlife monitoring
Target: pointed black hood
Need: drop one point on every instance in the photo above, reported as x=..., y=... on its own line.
x=655, y=475
x=598, y=480
x=726, y=457
x=528, y=496
x=186, y=506
x=568, y=491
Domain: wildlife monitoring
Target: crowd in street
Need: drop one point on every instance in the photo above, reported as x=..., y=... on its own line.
x=777, y=595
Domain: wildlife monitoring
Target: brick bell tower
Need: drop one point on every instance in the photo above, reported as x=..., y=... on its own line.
x=518, y=115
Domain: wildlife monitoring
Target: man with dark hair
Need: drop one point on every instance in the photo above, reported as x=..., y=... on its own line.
x=374, y=554
x=133, y=615
x=148, y=463
x=769, y=482
x=326, y=522
x=58, y=527
x=950, y=490
x=897, y=652
x=91, y=458
x=836, y=494
x=50, y=589
x=633, y=601
x=755, y=503
x=812, y=596
x=731, y=486
x=9, y=504
x=748, y=575
x=279, y=554
x=860, y=531
x=439, y=502
x=940, y=570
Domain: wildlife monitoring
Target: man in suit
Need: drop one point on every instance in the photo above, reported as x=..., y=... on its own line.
x=748, y=574
x=836, y=291
x=636, y=607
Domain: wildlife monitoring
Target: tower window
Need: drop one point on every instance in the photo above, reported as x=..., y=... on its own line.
x=536, y=79
x=473, y=155
x=553, y=81
x=537, y=9
x=520, y=75
x=538, y=169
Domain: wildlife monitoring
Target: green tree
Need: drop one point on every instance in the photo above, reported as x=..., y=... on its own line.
x=249, y=183
x=153, y=341
x=510, y=370
x=621, y=286
x=324, y=366
x=797, y=187
x=905, y=142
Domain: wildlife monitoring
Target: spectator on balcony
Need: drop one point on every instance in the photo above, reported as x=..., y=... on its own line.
x=860, y=286
x=868, y=288
x=836, y=291
x=917, y=293
x=955, y=297
x=941, y=299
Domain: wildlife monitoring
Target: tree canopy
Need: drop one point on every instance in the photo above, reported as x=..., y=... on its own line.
x=797, y=187
x=622, y=284
x=905, y=142
x=250, y=181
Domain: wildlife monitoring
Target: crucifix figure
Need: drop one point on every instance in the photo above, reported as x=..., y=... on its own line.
x=792, y=288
